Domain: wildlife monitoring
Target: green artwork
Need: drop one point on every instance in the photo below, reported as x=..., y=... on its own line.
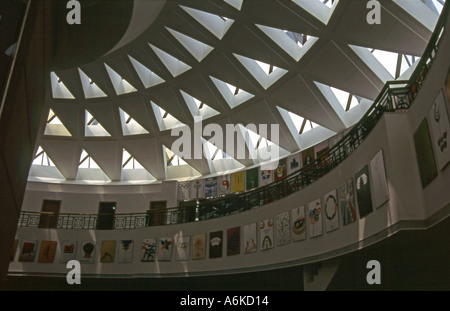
x=251, y=178
x=424, y=152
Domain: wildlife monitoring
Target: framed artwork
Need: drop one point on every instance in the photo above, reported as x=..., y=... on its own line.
x=197, y=188
x=281, y=170
x=293, y=163
x=251, y=178
x=183, y=247
x=28, y=251
x=215, y=244
x=283, y=229
x=14, y=249
x=308, y=156
x=184, y=190
x=250, y=240
x=265, y=177
x=378, y=180
x=211, y=187
x=315, y=218
x=87, y=252
x=424, y=153
x=234, y=241
x=440, y=130
x=108, y=251
x=347, y=202
x=125, y=252
x=363, y=192
x=224, y=184
x=266, y=234
x=148, y=250
x=47, y=251
x=298, y=223
x=238, y=182
x=165, y=246
x=199, y=246
x=68, y=251
x=331, y=210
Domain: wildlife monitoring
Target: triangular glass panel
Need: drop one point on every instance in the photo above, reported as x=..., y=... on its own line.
x=148, y=77
x=395, y=63
x=165, y=120
x=41, y=158
x=90, y=89
x=198, y=108
x=54, y=126
x=217, y=25
x=129, y=162
x=121, y=86
x=347, y=100
x=212, y=152
x=233, y=95
x=320, y=9
x=173, y=159
x=173, y=64
x=86, y=161
x=237, y=4
x=93, y=127
x=59, y=90
x=129, y=125
x=198, y=49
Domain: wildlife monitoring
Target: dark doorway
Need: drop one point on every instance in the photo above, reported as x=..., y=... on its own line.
x=105, y=218
x=157, y=215
x=49, y=214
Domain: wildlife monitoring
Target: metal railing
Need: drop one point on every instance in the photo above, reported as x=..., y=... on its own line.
x=395, y=96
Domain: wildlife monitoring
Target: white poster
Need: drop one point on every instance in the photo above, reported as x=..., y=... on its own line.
x=294, y=163
x=148, y=250
x=266, y=234
x=331, y=210
x=184, y=190
x=265, y=177
x=440, y=127
x=283, y=229
x=298, y=223
x=197, y=189
x=250, y=238
x=315, y=218
x=182, y=247
x=379, y=183
x=125, y=253
x=165, y=246
x=224, y=184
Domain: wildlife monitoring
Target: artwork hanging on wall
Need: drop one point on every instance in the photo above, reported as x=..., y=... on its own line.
x=197, y=189
x=424, y=153
x=251, y=178
x=199, y=246
x=283, y=229
x=148, y=250
x=234, y=241
x=125, y=252
x=447, y=86
x=265, y=177
x=68, y=251
x=294, y=163
x=182, y=247
x=215, y=244
x=363, y=192
x=28, y=251
x=378, y=180
x=281, y=170
x=250, y=238
x=440, y=130
x=87, y=252
x=238, y=182
x=224, y=184
x=14, y=249
x=211, y=187
x=165, y=246
x=331, y=210
x=47, y=251
x=298, y=223
x=308, y=156
x=315, y=218
x=108, y=251
x=184, y=190
x=266, y=234
x=347, y=202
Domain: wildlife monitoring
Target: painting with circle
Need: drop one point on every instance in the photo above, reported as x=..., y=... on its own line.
x=266, y=234
x=363, y=194
x=315, y=218
x=148, y=250
x=331, y=210
x=250, y=242
x=438, y=121
x=199, y=246
x=87, y=252
x=224, y=184
x=298, y=223
x=233, y=241
x=182, y=247
x=280, y=171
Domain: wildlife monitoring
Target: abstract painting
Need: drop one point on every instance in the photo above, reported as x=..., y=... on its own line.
x=331, y=210
x=315, y=218
x=238, y=182
x=199, y=246
x=283, y=229
x=251, y=178
x=224, y=184
x=308, y=156
x=108, y=251
x=347, y=202
x=234, y=241
x=28, y=251
x=215, y=244
x=87, y=252
x=363, y=193
x=250, y=238
x=125, y=252
x=424, y=153
x=165, y=246
x=281, y=170
x=68, y=251
x=148, y=250
x=182, y=247
x=197, y=188
x=210, y=187
x=378, y=180
x=293, y=163
x=298, y=223
x=440, y=130
x=47, y=251
x=266, y=234
x=265, y=177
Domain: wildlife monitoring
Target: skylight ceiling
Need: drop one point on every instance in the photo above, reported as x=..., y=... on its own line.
x=312, y=67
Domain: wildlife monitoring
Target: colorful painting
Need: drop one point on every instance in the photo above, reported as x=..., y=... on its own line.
x=148, y=250
x=250, y=238
x=347, y=202
x=281, y=171
x=440, y=130
x=184, y=190
x=14, y=249
x=293, y=163
x=308, y=156
x=233, y=241
x=87, y=252
x=283, y=229
x=251, y=178
x=378, y=180
x=266, y=234
x=238, y=182
x=298, y=223
x=182, y=247
x=197, y=189
x=47, y=251
x=211, y=187
x=215, y=244
x=331, y=210
x=68, y=251
x=315, y=218
x=199, y=246
x=125, y=252
x=28, y=251
x=224, y=184
x=363, y=194
x=165, y=246
x=108, y=251
x=265, y=177
x=424, y=153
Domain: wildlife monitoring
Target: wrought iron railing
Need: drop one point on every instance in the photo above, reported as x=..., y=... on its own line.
x=395, y=96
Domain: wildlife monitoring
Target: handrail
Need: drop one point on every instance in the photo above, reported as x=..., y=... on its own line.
x=394, y=96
